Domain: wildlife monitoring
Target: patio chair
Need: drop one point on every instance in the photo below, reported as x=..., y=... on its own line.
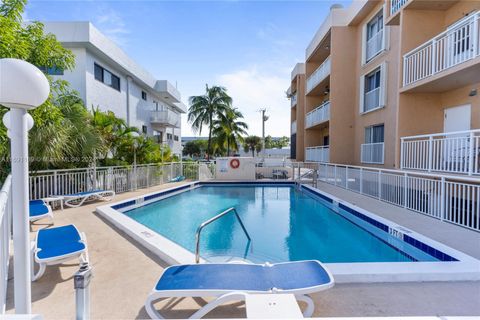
x=39, y=210
x=177, y=179
x=75, y=200
x=57, y=245
x=234, y=281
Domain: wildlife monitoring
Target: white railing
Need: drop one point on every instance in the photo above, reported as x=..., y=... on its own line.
x=454, y=152
x=294, y=100
x=372, y=153
x=119, y=179
x=317, y=154
x=395, y=5
x=5, y=236
x=374, y=45
x=318, y=115
x=318, y=75
x=456, y=45
x=165, y=117
x=372, y=99
x=448, y=198
x=294, y=127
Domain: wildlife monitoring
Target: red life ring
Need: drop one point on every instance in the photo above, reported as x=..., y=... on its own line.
x=234, y=163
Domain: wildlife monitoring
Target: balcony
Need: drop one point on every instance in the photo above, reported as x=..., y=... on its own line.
x=318, y=115
x=294, y=127
x=317, y=154
x=322, y=72
x=457, y=45
x=294, y=100
x=165, y=119
x=396, y=5
x=453, y=152
x=373, y=153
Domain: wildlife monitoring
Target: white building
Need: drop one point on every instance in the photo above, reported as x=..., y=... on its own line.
x=105, y=76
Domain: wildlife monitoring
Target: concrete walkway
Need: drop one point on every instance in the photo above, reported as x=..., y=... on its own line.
x=125, y=273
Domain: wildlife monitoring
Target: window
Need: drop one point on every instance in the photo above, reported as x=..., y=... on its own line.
x=53, y=71
x=144, y=95
x=105, y=76
x=175, y=138
x=144, y=129
x=169, y=136
x=374, y=134
x=373, y=89
x=326, y=140
x=375, y=37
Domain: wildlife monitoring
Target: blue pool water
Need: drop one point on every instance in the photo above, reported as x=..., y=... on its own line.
x=285, y=224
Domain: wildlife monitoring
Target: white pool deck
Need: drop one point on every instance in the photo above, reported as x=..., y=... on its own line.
x=124, y=274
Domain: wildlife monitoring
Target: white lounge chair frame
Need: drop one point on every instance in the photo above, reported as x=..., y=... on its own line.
x=225, y=296
x=43, y=263
x=74, y=201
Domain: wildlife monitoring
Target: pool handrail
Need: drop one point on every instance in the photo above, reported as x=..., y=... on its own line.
x=207, y=222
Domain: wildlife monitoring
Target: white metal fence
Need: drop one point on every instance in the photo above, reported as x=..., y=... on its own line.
x=456, y=45
x=448, y=198
x=5, y=236
x=396, y=5
x=318, y=75
x=372, y=153
x=374, y=45
x=119, y=179
x=317, y=154
x=454, y=152
x=318, y=115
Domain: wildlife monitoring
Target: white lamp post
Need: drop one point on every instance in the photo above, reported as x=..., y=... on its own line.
x=22, y=87
x=135, y=135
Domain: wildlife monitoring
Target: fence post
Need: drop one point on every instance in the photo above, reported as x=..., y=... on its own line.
x=335, y=174
x=405, y=189
x=471, y=154
x=430, y=153
x=380, y=184
x=346, y=177
x=94, y=176
x=434, y=56
x=442, y=200
x=55, y=188
x=402, y=150
x=361, y=180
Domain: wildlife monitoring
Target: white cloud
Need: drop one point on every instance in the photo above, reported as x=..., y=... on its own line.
x=252, y=89
x=113, y=25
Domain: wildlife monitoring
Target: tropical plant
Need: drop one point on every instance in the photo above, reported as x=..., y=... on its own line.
x=253, y=143
x=278, y=143
x=204, y=110
x=229, y=131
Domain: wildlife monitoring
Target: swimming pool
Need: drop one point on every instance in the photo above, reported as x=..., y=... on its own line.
x=286, y=222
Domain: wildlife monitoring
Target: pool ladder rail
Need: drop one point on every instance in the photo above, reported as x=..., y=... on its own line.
x=207, y=222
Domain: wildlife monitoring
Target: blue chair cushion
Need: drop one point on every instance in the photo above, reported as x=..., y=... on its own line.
x=244, y=277
x=58, y=241
x=38, y=210
x=33, y=202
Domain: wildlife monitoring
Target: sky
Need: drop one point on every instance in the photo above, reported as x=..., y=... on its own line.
x=249, y=47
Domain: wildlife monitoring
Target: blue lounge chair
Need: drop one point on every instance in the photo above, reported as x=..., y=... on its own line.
x=57, y=245
x=74, y=200
x=177, y=179
x=234, y=281
x=39, y=210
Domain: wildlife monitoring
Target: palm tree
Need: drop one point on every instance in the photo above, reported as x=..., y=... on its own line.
x=207, y=108
x=230, y=131
x=253, y=143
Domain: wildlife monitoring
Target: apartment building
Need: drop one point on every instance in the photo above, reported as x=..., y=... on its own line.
x=297, y=100
x=387, y=82
x=107, y=78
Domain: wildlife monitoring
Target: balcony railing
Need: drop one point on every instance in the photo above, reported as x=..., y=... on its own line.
x=454, y=152
x=396, y=5
x=318, y=115
x=317, y=154
x=372, y=153
x=294, y=100
x=294, y=127
x=454, y=46
x=374, y=45
x=372, y=99
x=166, y=118
x=318, y=75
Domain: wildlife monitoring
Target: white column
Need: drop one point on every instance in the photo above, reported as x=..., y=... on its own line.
x=21, y=235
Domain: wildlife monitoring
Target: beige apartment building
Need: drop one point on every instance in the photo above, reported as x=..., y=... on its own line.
x=391, y=84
